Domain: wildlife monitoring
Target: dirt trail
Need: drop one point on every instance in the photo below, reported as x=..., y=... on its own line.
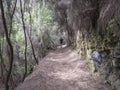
x=61, y=70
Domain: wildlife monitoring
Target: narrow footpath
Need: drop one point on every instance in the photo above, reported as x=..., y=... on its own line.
x=62, y=70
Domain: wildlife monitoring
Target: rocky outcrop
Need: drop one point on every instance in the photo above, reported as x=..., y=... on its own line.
x=94, y=24
x=87, y=15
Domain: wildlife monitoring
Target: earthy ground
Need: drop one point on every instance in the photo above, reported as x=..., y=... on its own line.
x=61, y=70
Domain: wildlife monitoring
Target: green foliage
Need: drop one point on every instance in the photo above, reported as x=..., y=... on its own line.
x=111, y=23
x=19, y=68
x=40, y=21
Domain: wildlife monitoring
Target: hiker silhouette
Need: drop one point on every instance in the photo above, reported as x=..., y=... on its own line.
x=61, y=41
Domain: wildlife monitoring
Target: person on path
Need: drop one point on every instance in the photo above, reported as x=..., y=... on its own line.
x=61, y=42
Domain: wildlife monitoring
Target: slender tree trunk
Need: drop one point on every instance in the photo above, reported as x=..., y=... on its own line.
x=11, y=15
x=33, y=51
x=29, y=35
x=25, y=35
x=10, y=46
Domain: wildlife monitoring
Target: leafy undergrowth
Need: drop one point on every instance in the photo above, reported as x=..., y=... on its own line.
x=62, y=70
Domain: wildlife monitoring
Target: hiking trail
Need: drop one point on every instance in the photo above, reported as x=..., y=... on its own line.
x=62, y=70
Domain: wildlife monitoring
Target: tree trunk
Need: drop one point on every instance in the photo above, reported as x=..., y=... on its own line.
x=29, y=35
x=9, y=44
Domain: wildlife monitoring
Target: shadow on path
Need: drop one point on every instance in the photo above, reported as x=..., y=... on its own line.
x=61, y=70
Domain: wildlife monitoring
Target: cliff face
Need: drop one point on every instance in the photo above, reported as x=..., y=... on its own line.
x=94, y=24
x=86, y=15
x=109, y=9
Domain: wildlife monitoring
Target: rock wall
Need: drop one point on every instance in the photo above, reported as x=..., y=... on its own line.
x=91, y=25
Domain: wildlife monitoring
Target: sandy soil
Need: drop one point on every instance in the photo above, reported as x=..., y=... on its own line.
x=61, y=70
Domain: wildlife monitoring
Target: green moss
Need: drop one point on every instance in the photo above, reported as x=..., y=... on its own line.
x=89, y=65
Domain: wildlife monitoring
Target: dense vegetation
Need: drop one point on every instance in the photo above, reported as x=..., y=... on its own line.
x=29, y=28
